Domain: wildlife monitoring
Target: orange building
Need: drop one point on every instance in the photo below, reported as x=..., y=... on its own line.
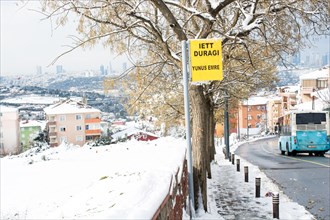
x=252, y=116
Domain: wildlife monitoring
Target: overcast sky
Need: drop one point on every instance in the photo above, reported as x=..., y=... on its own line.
x=27, y=41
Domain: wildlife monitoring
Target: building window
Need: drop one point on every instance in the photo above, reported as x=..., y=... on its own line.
x=62, y=129
x=79, y=138
x=78, y=128
x=249, y=117
x=322, y=83
x=62, y=117
x=249, y=108
x=78, y=117
x=88, y=116
x=258, y=116
x=88, y=138
x=1, y=145
x=87, y=127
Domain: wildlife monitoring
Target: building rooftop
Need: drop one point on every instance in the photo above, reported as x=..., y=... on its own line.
x=6, y=109
x=256, y=100
x=321, y=73
x=69, y=107
x=32, y=123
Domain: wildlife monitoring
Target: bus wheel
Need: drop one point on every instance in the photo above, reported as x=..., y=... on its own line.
x=287, y=150
x=310, y=154
x=294, y=153
x=282, y=152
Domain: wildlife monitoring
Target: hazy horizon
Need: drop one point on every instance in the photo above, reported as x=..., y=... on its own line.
x=27, y=41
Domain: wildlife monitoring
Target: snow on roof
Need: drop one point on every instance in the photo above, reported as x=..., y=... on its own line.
x=6, y=109
x=321, y=73
x=130, y=131
x=32, y=123
x=32, y=99
x=290, y=89
x=69, y=107
x=256, y=100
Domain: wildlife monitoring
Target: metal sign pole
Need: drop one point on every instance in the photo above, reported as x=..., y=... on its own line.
x=188, y=136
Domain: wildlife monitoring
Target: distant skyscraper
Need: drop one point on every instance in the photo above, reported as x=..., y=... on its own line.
x=296, y=59
x=325, y=60
x=102, y=70
x=39, y=70
x=59, y=69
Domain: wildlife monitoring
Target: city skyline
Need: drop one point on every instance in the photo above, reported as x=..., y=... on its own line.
x=29, y=43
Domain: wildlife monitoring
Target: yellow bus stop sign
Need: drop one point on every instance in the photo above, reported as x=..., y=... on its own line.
x=205, y=59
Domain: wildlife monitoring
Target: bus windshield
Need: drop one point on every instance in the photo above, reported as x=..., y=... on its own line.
x=310, y=118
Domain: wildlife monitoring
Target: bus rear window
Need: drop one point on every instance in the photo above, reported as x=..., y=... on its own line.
x=310, y=118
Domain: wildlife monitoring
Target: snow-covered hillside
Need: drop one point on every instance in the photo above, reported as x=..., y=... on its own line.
x=127, y=181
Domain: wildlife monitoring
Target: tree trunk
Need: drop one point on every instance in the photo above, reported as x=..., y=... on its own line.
x=199, y=140
x=211, y=125
x=208, y=150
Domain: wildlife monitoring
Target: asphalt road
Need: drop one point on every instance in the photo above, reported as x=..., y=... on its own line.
x=305, y=179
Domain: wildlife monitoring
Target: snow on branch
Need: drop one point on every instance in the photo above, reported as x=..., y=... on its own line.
x=192, y=11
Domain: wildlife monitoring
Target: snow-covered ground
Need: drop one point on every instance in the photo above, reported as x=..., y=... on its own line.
x=124, y=181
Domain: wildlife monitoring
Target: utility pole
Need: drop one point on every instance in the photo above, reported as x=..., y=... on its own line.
x=247, y=118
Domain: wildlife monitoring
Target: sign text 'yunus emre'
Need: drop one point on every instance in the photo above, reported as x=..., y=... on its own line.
x=206, y=59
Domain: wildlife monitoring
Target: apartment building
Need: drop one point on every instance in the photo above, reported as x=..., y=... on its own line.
x=253, y=116
x=274, y=111
x=9, y=131
x=289, y=98
x=72, y=122
x=313, y=85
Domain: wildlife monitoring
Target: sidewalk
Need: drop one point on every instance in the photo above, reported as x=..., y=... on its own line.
x=230, y=197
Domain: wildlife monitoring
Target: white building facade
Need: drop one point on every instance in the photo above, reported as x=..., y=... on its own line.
x=9, y=131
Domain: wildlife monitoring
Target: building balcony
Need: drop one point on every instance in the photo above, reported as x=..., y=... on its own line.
x=93, y=132
x=53, y=134
x=92, y=120
x=50, y=123
x=307, y=90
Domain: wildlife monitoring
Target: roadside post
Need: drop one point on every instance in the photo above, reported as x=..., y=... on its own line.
x=246, y=174
x=204, y=57
x=258, y=184
x=276, y=205
x=238, y=168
